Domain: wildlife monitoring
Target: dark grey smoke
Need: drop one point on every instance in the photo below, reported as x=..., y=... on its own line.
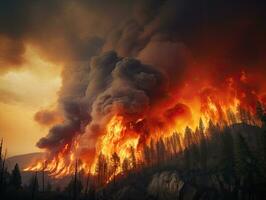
x=93, y=93
x=170, y=35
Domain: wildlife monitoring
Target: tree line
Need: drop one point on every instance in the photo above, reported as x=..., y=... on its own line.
x=231, y=152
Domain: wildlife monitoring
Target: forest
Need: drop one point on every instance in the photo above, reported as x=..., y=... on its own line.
x=225, y=160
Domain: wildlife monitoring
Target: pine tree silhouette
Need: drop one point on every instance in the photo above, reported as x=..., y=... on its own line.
x=16, y=177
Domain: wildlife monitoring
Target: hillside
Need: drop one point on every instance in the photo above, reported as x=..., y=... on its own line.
x=232, y=168
x=23, y=160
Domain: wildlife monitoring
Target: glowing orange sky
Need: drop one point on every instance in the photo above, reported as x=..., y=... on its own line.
x=22, y=93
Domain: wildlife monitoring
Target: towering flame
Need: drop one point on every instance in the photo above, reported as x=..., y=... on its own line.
x=118, y=139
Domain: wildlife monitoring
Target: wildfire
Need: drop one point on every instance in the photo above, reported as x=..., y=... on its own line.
x=60, y=165
x=122, y=136
x=116, y=140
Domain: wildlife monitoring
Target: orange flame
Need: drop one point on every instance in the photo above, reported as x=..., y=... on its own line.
x=121, y=135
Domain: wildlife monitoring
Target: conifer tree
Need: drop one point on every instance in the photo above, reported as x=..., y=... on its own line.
x=176, y=143
x=152, y=151
x=133, y=159
x=231, y=117
x=169, y=150
x=1, y=166
x=101, y=169
x=203, y=145
x=1, y=149
x=242, y=113
x=201, y=126
x=125, y=166
x=34, y=185
x=115, y=163
x=188, y=141
x=147, y=154
x=16, y=177
x=259, y=111
x=161, y=151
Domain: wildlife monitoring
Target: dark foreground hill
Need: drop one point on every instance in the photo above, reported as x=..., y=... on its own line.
x=234, y=169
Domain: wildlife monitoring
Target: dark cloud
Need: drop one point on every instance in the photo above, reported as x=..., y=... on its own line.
x=93, y=93
x=61, y=31
x=76, y=30
x=130, y=91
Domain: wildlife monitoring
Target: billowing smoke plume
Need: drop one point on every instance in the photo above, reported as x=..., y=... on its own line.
x=167, y=52
x=110, y=85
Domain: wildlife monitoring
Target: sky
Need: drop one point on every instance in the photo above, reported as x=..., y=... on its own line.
x=55, y=72
x=23, y=92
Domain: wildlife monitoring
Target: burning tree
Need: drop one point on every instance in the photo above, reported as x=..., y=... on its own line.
x=131, y=116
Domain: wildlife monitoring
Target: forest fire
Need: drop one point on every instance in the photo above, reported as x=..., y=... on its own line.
x=60, y=165
x=118, y=141
x=143, y=99
x=124, y=139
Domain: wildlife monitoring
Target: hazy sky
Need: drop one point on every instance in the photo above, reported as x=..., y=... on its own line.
x=23, y=91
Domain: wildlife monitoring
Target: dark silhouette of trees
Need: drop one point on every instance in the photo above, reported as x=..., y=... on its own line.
x=227, y=157
x=115, y=164
x=260, y=112
x=16, y=177
x=48, y=187
x=125, y=166
x=152, y=152
x=188, y=141
x=3, y=169
x=245, y=116
x=34, y=186
x=161, y=151
x=133, y=160
x=231, y=117
x=147, y=155
x=203, y=145
x=101, y=169
x=74, y=188
x=176, y=143
x=1, y=166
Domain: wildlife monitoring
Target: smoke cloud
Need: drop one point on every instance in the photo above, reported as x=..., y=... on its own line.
x=114, y=86
x=47, y=117
x=127, y=57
